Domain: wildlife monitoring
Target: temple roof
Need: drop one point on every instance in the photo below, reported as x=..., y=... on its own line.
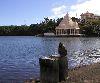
x=67, y=23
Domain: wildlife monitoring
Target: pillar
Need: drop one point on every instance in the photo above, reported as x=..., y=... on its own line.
x=70, y=32
x=63, y=62
x=74, y=32
x=58, y=31
x=66, y=32
x=63, y=68
x=54, y=69
x=49, y=70
x=61, y=31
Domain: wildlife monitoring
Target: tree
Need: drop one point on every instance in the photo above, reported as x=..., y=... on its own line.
x=91, y=27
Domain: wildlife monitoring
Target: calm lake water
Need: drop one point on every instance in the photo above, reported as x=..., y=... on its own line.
x=19, y=55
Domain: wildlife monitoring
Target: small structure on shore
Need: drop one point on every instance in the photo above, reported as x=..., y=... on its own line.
x=67, y=27
x=49, y=34
x=54, y=69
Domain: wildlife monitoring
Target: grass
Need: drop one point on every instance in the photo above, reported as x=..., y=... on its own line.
x=84, y=74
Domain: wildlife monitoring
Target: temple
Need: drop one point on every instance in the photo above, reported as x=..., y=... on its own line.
x=67, y=27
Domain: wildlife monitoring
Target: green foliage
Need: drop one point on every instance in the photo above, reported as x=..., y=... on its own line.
x=74, y=19
x=91, y=27
x=48, y=25
x=14, y=30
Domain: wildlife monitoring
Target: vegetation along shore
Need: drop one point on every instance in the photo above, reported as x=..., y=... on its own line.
x=88, y=27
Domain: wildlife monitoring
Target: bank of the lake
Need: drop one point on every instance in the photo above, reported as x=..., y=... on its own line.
x=85, y=74
x=82, y=74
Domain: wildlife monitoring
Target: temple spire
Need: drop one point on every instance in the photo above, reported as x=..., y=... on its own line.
x=67, y=15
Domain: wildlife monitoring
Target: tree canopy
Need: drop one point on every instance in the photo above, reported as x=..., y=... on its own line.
x=48, y=25
x=90, y=27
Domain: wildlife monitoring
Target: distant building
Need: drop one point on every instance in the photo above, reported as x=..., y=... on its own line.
x=97, y=17
x=88, y=15
x=67, y=27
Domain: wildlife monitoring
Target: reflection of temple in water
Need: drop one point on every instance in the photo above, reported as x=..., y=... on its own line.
x=67, y=27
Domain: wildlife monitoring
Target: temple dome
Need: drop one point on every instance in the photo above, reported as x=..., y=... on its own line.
x=67, y=23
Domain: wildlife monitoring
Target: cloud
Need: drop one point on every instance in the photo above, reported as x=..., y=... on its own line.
x=59, y=11
x=81, y=1
x=87, y=5
x=81, y=6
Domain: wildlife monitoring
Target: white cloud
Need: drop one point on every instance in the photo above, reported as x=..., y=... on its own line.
x=88, y=5
x=81, y=1
x=80, y=7
x=59, y=11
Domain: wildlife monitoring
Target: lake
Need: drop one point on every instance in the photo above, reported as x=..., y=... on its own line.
x=19, y=55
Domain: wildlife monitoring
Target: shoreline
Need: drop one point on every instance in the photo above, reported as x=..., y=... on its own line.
x=47, y=36
x=81, y=74
x=85, y=74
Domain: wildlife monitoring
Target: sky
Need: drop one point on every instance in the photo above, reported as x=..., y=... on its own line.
x=21, y=12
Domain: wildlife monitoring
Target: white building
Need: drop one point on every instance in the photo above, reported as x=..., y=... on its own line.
x=67, y=27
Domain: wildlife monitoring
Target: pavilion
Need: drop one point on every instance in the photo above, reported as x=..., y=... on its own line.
x=67, y=27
